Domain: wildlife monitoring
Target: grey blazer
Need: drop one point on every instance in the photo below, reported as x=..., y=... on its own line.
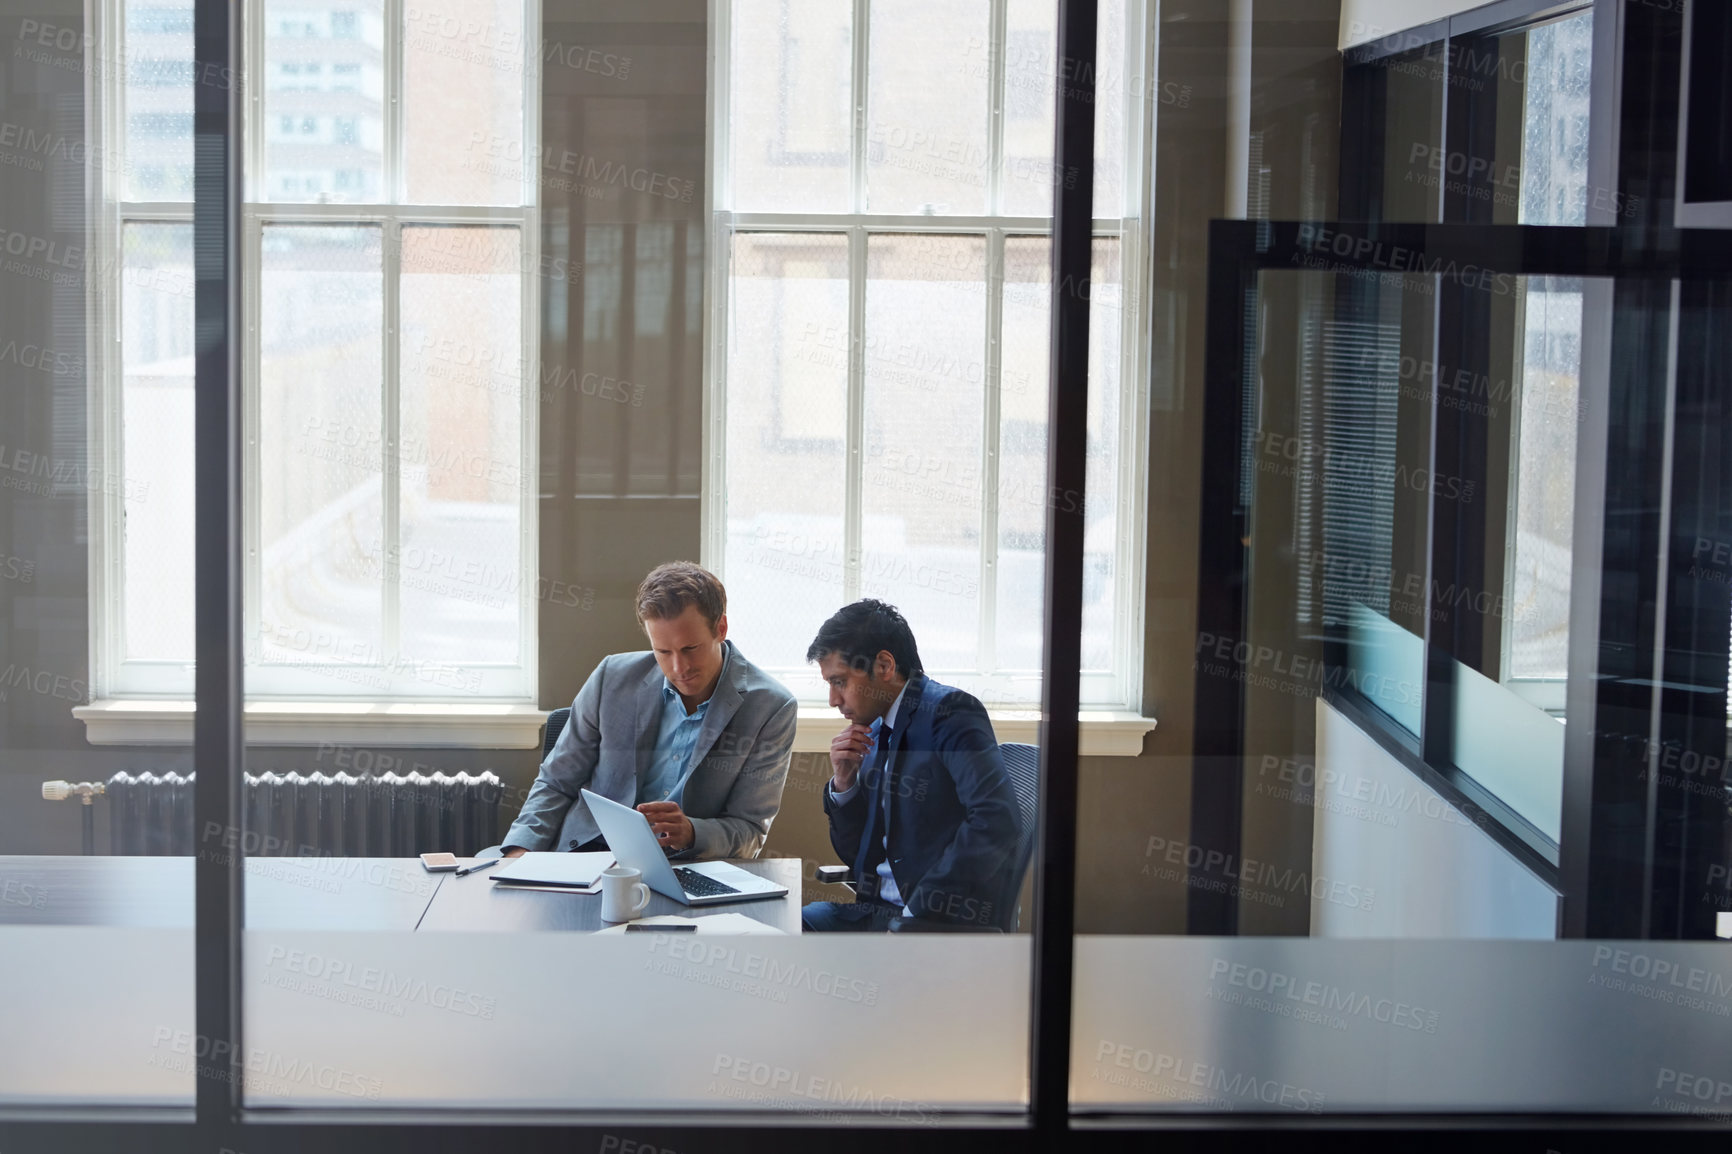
x=741, y=754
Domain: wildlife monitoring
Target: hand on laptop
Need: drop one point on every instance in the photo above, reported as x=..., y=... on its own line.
x=514, y=851
x=847, y=751
x=673, y=829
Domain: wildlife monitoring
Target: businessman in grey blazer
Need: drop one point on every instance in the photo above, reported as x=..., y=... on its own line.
x=691, y=733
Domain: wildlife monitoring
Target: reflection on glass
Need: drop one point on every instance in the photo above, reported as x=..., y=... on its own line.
x=1548, y=420
x=786, y=439
x=156, y=430
x=463, y=95
x=158, y=72
x=324, y=81
x=1554, y=190
x=788, y=121
x=1554, y=151
x=322, y=462
x=461, y=433
x=926, y=108
x=925, y=388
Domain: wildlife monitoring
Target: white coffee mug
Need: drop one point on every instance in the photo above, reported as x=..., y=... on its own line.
x=623, y=896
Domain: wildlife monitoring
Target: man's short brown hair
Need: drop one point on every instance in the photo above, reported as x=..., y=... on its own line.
x=668, y=589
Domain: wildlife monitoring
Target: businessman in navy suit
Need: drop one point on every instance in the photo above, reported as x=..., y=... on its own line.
x=918, y=800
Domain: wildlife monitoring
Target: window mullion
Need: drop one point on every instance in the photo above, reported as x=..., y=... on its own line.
x=986, y=660
x=391, y=424
x=856, y=480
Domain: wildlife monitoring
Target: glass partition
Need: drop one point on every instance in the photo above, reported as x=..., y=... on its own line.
x=96, y=520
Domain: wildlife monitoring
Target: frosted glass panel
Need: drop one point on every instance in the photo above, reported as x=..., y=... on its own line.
x=759, y=1019
x=1293, y=1026
x=1387, y=664
x=1511, y=747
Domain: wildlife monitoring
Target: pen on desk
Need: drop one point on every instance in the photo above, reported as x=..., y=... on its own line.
x=480, y=865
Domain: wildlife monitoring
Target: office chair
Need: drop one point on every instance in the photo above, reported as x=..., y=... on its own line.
x=1022, y=767
x=555, y=726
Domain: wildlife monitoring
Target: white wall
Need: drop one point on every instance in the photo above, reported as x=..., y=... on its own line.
x=1363, y=20
x=1429, y=872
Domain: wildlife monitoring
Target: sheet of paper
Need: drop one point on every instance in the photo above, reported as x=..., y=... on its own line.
x=713, y=924
x=560, y=869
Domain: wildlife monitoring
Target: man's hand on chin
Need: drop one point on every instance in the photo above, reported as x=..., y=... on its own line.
x=673, y=829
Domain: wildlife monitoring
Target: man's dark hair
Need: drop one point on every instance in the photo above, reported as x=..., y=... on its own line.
x=668, y=589
x=856, y=633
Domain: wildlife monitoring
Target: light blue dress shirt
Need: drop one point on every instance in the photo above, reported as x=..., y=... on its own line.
x=887, y=890
x=665, y=777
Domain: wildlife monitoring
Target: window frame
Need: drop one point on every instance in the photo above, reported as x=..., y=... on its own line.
x=113, y=676
x=1116, y=689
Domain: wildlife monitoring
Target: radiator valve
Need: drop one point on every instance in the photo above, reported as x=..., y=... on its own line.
x=86, y=791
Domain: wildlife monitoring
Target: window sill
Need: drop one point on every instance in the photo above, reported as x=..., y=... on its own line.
x=409, y=724
x=420, y=725
x=1103, y=733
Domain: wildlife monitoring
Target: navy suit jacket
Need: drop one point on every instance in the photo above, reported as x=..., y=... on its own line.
x=953, y=829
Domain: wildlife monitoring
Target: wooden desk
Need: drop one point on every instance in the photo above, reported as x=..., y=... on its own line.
x=474, y=903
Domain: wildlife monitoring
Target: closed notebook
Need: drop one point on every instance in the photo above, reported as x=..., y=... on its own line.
x=577, y=871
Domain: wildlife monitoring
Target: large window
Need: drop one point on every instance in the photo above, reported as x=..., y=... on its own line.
x=878, y=367
x=389, y=223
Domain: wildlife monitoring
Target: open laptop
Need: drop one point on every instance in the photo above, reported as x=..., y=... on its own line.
x=708, y=883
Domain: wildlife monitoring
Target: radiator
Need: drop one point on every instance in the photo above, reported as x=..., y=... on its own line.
x=301, y=815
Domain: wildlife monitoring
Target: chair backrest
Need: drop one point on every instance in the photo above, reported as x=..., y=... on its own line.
x=1022, y=766
x=555, y=726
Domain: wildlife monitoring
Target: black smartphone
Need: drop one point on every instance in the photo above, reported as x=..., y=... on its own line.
x=677, y=928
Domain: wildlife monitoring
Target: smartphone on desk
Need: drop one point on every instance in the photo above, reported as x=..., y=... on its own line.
x=438, y=863
x=666, y=928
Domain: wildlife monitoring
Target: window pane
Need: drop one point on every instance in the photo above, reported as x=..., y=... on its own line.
x=158, y=73
x=787, y=419
x=789, y=92
x=156, y=309
x=463, y=103
x=925, y=392
x=1539, y=605
x=1022, y=445
x=1023, y=494
x=926, y=143
x=1100, y=519
x=1113, y=63
x=324, y=123
x=1030, y=63
x=321, y=459
x=460, y=551
x=1554, y=156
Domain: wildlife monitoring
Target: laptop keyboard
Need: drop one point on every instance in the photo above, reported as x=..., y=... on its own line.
x=701, y=885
